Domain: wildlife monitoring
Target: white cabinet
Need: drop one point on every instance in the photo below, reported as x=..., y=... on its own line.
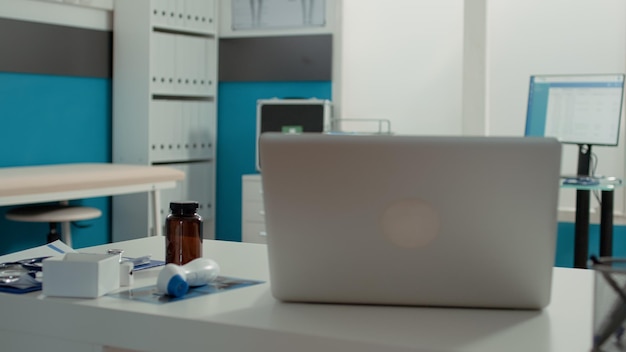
x=164, y=103
x=252, y=211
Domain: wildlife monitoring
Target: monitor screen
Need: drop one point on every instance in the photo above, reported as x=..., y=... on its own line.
x=576, y=109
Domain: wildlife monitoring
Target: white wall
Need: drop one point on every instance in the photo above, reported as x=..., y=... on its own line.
x=552, y=37
x=463, y=67
x=401, y=60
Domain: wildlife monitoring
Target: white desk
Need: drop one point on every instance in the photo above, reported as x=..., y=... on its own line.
x=250, y=319
x=64, y=182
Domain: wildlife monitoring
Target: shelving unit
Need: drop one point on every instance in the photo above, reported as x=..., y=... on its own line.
x=164, y=103
x=252, y=210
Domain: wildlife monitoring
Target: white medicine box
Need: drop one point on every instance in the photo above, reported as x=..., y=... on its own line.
x=81, y=275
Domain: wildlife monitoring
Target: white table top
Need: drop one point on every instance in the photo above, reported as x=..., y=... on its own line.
x=36, y=184
x=250, y=319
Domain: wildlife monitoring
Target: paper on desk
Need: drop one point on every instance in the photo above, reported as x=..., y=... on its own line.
x=150, y=294
x=28, y=281
x=51, y=249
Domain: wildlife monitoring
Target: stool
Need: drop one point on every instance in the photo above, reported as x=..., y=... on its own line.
x=54, y=214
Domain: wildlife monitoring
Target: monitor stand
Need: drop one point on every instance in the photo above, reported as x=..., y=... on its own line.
x=584, y=159
x=583, y=198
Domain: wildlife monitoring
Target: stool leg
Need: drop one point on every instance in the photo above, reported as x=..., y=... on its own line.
x=53, y=235
x=66, y=233
x=156, y=214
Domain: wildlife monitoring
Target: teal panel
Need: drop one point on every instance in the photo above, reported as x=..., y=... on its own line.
x=50, y=119
x=565, y=246
x=565, y=243
x=619, y=241
x=236, y=141
x=54, y=119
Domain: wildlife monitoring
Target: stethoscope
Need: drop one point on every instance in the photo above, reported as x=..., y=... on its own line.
x=12, y=271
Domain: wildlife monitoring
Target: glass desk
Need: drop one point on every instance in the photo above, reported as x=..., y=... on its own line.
x=606, y=185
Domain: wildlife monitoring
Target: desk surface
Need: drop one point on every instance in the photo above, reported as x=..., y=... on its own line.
x=35, y=184
x=250, y=319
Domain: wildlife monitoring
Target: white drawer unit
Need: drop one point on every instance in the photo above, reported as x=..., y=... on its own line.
x=252, y=211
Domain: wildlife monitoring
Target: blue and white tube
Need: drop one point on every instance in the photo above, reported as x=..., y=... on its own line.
x=175, y=280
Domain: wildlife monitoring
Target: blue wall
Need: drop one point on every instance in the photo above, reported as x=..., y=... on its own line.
x=236, y=129
x=565, y=243
x=58, y=119
x=50, y=120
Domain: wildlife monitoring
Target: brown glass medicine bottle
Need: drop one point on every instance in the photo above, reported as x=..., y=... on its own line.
x=183, y=238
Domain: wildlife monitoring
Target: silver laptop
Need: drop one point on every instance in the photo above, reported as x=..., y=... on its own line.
x=408, y=220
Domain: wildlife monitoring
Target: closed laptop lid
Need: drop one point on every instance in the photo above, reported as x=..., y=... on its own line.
x=411, y=220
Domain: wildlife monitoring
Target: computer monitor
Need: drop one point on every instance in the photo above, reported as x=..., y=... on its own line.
x=583, y=109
